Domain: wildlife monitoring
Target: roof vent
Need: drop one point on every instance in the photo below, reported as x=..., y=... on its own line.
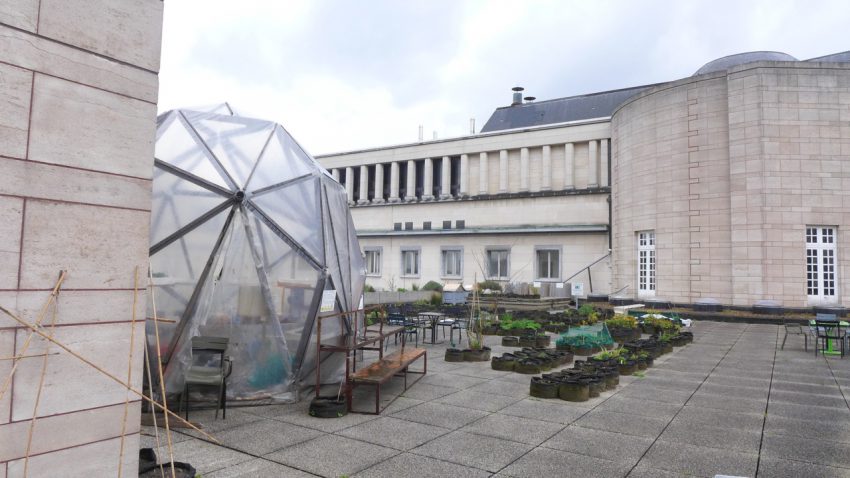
x=530, y=99
x=517, y=95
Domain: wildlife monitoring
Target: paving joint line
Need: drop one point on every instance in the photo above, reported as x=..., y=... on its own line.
x=767, y=405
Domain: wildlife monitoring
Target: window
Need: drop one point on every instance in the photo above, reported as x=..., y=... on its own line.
x=820, y=264
x=452, y=262
x=410, y=262
x=646, y=263
x=373, y=261
x=497, y=264
x=548, y=263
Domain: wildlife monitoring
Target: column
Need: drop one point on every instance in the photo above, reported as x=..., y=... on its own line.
x=349, y=184
x=379, y=184
x=428, y=180
x=411, y=181
x=546, y=169
x=463, y=183
x=364, y=185
x=592, y=164
x=523, y=169
x=394, y=182
x=335, y=174
x=603, y=162
x=446, y=179
x=483, y=174
x=569, y=166
x=503, y=171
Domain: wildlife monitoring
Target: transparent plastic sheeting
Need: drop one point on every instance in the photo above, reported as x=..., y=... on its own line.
x=246, y=231
x=595, y=335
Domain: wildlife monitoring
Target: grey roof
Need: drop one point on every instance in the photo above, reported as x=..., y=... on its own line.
x=843, y=57
x=573, y=108
x=727, y=62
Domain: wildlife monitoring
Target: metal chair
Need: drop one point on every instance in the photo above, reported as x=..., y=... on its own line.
x=795, y=329
x=210, y=368
x=829, y=331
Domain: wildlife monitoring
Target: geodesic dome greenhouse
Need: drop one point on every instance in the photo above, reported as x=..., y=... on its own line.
x=247, y=232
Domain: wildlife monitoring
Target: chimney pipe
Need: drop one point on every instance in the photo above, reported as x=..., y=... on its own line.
x=471, y=125
x=517, y=100
x=421, y=133
x=530, y=99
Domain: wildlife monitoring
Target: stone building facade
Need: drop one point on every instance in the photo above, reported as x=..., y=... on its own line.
x=727, y=185
x=78, y=93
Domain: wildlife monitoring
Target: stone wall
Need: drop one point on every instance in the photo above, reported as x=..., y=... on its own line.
x=78, y=91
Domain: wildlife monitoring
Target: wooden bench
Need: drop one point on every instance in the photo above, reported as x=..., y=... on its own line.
x=376, y=374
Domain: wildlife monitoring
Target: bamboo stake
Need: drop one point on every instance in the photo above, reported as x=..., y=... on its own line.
x=104, y=372
x=26, y=343
x=129, y=367
x=40, y=389
x=153, y=414
x=18, y=357
x=161, y=376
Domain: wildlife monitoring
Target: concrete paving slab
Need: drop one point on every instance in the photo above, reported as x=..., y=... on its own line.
x=623, y=423
x=408, y=464
x=147, y=437
x=836, y=401
x=208, y=423
x=743, y=440
x=256, y=468
x=426, y=392
x=808, y=412
x=636, y=406
x=549, y=410
x=545, y=463
x=830, y=430
x=815, y=451
x=697, y=416
x=478, y=400
x=699, y=461
x=806, y=388
x=452, y=380
x=401, y=403
x=480, y=372
x=394, y=433
x=627, y=449
x=637, y=390
x=266, y=436
x=523, y=430
x=328, y=425
x=740, y=392
x=477, y=451
x=332, y=455
x=440, y=414
x=504, y=387
x=770, y=467
x=206, y=457
x=801, y=378
x=732, y=404
x=643, y=471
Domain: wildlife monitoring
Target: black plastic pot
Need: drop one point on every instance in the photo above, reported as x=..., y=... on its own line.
x=583, y=350
x=597, y=386
x=542, y=341
x=527, y=341
x=575, y=390
x=528, y=366
x=509, y=341
x=627, y=368
x=504, y=363
x=476, y=355
x=543, y=388
x=328, y=407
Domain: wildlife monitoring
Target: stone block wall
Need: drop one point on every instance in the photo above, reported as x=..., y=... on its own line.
x=78, y=91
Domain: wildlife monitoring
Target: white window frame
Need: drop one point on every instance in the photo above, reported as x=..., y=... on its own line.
x=443, y=256
x=380, y=260
x=646, y=263
x=822, y=264
x=506, y=274
x=537, y=275
x=418, y=263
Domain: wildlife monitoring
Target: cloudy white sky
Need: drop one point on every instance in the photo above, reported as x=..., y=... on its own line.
x=352, y=74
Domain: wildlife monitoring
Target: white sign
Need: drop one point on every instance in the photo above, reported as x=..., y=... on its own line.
x=328, y=301
x=577, y=289
x=537, y=284
x=559, y=285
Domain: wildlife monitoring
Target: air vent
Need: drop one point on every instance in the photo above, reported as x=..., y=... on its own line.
x=447, y=224
x=408, y=226
x=426, y=226
x=460, y=224
x=397, y=226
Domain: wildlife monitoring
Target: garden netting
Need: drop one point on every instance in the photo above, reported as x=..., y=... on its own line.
x=595, y=335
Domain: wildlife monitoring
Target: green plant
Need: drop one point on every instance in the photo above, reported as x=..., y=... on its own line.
x=401, y=289
x=432, y=285
x=639, y=374
x=585, y=310
x=415, y=287
x=490, y=284
x=622, y=321
x=436, y=298
x=508, y=323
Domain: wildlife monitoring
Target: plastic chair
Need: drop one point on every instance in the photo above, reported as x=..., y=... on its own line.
x=210, y=368
x=795, y=329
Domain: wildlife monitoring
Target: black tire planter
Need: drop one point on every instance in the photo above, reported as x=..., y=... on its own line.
x=509, y=341
x=627, y=368
x=328, y=407
x=527, y=366
x=476, y=355
x=543, y=388
x=454, y=355
x=564, y=357
x=527, y=341
x=574, y=390
x=597, y=386
x=542, y=341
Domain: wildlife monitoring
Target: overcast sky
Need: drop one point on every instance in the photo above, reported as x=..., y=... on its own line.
x=344, y=75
